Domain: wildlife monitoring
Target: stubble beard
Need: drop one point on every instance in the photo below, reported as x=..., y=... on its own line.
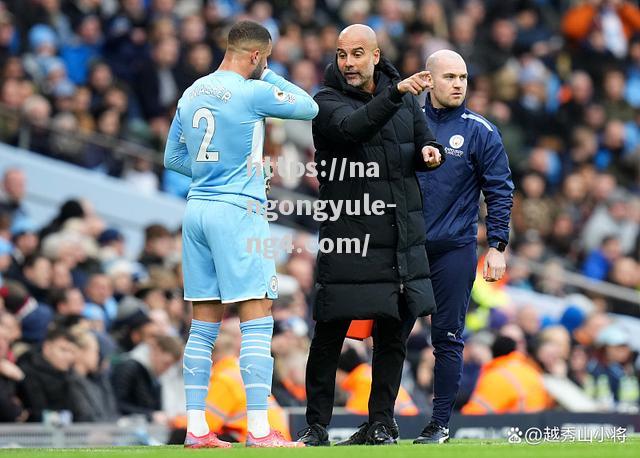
x=257, y=72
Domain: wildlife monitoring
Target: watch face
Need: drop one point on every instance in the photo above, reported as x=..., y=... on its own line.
x=501, y=246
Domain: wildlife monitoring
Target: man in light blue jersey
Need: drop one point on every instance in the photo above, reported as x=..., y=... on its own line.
x=218, y=128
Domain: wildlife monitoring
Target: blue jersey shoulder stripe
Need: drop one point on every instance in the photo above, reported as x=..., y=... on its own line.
x=479, y=119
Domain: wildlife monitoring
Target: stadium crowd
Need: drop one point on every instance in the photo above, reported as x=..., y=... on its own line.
x=85, y=329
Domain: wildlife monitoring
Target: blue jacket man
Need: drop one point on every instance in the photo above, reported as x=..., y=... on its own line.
x=476, y=162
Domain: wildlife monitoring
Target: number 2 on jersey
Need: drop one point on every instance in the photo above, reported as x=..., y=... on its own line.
x=203, y=154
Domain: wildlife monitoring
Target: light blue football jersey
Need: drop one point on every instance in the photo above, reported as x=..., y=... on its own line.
x=219, y=128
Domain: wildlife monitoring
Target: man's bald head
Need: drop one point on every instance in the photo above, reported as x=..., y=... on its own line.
x=360, y=33
x=357, y=54
x=444, y=57
x=447, y=79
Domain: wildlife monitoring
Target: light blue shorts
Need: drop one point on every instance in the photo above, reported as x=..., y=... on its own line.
x=219, y=256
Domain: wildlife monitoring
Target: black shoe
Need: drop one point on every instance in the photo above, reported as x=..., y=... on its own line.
x=315, y=435
x=433, y=433
x=357, y=438
x=380, y=434
x=394, y=429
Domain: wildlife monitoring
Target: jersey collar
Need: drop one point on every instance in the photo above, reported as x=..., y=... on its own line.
x=443, y=114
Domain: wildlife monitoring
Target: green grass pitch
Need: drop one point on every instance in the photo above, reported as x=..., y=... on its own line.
x=462, y=447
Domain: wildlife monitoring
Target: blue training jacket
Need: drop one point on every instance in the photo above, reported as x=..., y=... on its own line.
x=476, y=161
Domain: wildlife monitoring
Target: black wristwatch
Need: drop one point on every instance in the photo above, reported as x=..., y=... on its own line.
x=498, y=245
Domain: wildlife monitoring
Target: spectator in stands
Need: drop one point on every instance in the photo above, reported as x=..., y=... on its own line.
x=67, y=302
x=81, y=109
x=117, y=97
x=84, y=47
x=12, y=194
x=122, y=273
x=99, y=156
x=499, y=47
x=531, y=208
x=157, y=245
x=44, y=45
x=37, y=111
x=528, y=319
x=126, y=38
x=562, y=239
x=139, y=174
x=56, y=79
x=70, y=209
x=133, y=325
x=135, y=379
x=64, y=141
x=100, y=301
x=11, y=408
x=8, y=45
x=92, y=389
x=614, y=103
x=611, y=219
x=47, y=385
x=625, y=272
x=552, y=350
x=100, y=79
x=517, y=334
x=157, y=84
x=613, y=381
x=34, y=318
x=618, y=20
x=9, y=325
x=197, y=63
x=61, y=275
x=579, y=97
x=578, y=370
x=507, y=384
x=599, y=261
x=306, y=15
x=12, y=99
x=36, y=276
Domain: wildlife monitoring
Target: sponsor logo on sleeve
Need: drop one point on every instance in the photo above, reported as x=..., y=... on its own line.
x=282, y=96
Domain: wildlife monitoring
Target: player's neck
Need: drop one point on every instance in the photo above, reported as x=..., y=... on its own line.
x=231, y=65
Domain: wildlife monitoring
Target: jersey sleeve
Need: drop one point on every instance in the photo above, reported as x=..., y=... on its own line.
x=272, y=77
x=269, y=100
x=497, y=186
x=176, y=155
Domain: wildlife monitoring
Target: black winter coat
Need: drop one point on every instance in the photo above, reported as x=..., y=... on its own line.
x=137, y=391
x=389, y=129
x=95, y=398
x=10, y=405
x=46, y=388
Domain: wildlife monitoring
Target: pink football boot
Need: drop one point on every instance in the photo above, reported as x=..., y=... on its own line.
x=207, y=441
x=273, y=439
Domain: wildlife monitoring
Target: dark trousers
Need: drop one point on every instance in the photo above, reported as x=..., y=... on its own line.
x=389, y=351
x=452, y=275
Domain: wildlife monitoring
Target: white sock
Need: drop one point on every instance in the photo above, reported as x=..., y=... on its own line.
x=197, y=423
x=258, y=423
